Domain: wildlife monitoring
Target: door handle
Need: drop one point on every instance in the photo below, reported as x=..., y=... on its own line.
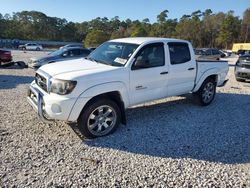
x=140, y=87
x=192, y=68
x=164, y=72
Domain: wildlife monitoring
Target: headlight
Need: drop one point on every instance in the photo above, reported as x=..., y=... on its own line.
x=62, y=87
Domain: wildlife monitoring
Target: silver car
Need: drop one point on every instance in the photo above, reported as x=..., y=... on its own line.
x=242, y=68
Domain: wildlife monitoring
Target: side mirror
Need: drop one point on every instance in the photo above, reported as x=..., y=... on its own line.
x=139, y=63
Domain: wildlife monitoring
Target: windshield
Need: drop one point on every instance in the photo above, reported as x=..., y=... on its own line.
x=57, y=52
x=113, y=53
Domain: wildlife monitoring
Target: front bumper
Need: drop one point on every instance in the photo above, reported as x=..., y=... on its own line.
x=49, y=106
x=242, y=73
x=35, y=98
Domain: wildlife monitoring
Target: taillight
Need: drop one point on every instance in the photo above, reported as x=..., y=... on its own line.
x=7, y=53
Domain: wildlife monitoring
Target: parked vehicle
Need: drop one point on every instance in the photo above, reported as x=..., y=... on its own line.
x=224, y=53
x=121, y=73
x=242, y=68
x=240, y=46
x=207, y=53
x=5, y=57
x=59, y=55
x=71, y=46
x=92, y=49
x=31, y=46
x=243, y=52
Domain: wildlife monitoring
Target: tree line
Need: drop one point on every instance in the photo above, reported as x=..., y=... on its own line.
x=203, y=29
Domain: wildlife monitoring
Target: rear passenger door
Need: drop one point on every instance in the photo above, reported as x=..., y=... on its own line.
x=182, y=68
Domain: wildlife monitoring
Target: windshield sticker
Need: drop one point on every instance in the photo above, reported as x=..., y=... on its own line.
x=120, y=60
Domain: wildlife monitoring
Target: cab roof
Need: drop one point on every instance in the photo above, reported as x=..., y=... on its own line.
x=141, y=40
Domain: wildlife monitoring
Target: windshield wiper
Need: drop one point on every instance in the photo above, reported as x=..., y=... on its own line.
x=91, y=59
x=98, y=61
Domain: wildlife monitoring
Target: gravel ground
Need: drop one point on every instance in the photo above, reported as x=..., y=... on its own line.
x=167, y=143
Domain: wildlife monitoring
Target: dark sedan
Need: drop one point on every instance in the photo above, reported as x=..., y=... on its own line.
x=5, y=57
x=59, y=55
x=242, y=68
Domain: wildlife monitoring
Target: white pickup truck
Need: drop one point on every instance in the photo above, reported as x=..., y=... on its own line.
x=95, y=91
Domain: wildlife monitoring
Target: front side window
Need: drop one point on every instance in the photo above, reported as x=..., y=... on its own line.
x=74, y=52
x=84, y=52
x=179, y=52
x=215, y=52
x=151, y=55
x=113, y=53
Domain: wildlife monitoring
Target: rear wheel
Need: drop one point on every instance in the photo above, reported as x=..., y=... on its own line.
x=37, y=49
x=99, y=118
x=207, y=91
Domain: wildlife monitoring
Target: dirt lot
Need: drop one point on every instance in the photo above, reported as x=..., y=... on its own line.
x=167, y=143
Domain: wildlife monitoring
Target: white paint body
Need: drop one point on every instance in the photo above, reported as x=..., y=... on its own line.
x=33, y=46
x=134, y=86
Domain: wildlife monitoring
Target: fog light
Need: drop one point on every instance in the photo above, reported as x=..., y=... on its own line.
x=56, y=108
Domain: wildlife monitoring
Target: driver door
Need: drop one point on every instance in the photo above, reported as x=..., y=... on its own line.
x=149, y=73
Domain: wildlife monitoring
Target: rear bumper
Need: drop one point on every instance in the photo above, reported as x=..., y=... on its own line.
x=6, y=59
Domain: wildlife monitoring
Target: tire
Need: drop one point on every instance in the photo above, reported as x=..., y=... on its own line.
x=207, y=91
x=37, y=49
x=23, y=48
x=240, y=80
x=100, y=118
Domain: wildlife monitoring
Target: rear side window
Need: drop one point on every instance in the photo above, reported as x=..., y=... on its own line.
x=209, y=52
x=179, y=52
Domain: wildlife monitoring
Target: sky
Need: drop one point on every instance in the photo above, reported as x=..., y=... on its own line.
x=83, y=10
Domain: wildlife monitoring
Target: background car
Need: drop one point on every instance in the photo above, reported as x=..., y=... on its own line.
x=59, y=55
x=92, y=48
x=5, y=57
x=243, y=52
x=207, y=53
x=242, y=68
x=31, y=46
x=224, y=53
x=71, y=45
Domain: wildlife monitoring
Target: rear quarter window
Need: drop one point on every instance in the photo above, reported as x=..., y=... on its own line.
x=179, y=52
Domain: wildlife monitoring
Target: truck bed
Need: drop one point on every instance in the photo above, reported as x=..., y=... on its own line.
x=218, y=67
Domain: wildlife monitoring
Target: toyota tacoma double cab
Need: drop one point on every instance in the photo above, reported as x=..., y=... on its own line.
x=95, y=91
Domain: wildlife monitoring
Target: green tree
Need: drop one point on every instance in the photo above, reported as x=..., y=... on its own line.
x=245, y=28
x=229, y=31
x=95, y=38
x=189, y=28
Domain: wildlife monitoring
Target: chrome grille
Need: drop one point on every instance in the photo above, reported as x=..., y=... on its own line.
x=41, y=82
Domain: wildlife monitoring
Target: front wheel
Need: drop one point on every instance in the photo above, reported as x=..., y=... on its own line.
x=207, y=91
x=99, y=118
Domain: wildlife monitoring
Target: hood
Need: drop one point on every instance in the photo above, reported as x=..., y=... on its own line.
x=42, y=58
x=76, y=65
